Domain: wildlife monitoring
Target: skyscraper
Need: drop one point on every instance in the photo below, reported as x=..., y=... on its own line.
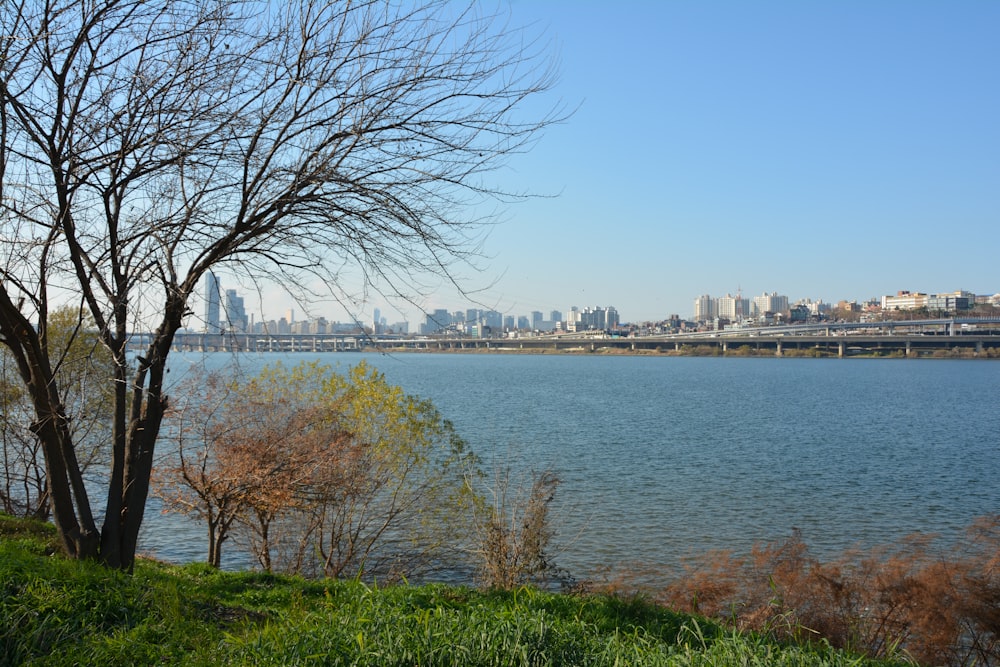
x=212, y=298
x=236, y=316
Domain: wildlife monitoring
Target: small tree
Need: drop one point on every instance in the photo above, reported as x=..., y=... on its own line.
x=400, y=502
x=324, y=473
x=243, y=457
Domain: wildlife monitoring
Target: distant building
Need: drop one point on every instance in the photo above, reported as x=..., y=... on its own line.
x=799, y=313
x=212, y=303
x=598, y=319
x=435, y=322
x=904, y=300
x=572, y=319
x=772, y=303
x=399, y=328
x=705, y=309
x=732, y=308
x=236, y=317
x=493, y=320
x=951, y=303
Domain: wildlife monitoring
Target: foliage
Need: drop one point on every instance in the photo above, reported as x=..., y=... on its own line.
x=81, y=369
x=59, y=612
x=340, y=475
x=148, y=143
x=908, y=600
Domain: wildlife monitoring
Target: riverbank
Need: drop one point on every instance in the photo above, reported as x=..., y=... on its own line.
x=595, y=349
x=56, y=611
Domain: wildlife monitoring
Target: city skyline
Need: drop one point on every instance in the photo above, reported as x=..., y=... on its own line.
x=841, y=150
x=701, y=308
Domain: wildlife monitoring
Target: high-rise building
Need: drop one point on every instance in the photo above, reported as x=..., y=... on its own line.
x=772, y=303
x=236, y=316
x=212, y=321
x=705, y=309
x=573, y=319
x=437, y=321
x=493, y=319
x=598, y=318
x=733, y=308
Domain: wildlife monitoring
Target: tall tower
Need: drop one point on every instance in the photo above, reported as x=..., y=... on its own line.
x=212, y=299
x=236, y=316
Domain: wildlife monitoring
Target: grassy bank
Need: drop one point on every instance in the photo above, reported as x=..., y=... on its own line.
x=54, y=611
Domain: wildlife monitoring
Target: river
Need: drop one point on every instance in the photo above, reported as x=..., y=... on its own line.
x=667, y=457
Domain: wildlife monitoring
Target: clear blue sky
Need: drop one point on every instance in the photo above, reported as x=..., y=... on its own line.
x=827, y=150
x=823, y=150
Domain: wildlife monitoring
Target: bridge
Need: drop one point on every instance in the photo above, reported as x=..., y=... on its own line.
x=911, y=338
x=245, y=342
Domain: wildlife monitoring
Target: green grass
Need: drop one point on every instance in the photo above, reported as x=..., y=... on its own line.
x=54, y=611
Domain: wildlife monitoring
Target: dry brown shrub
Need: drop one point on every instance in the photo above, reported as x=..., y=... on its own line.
x=932, y=605
x=515, y=532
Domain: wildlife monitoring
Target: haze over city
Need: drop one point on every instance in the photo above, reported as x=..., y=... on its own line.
x=823, y=150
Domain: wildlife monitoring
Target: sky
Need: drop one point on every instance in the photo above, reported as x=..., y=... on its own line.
x=820, y=150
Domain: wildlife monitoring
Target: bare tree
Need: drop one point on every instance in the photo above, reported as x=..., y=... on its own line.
x=144, y=143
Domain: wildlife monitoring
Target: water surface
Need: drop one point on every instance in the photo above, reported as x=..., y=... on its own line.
x=663, y=457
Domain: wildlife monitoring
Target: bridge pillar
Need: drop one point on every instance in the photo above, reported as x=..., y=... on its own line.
x=979, y=348
x=908, y=348
x=725, y=347
x=777, y=352
x=840, y=350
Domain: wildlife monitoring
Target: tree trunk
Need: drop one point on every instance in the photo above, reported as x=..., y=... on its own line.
x=214, y=545
x=68, y=496
x=111, y=530
x=148, y=409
